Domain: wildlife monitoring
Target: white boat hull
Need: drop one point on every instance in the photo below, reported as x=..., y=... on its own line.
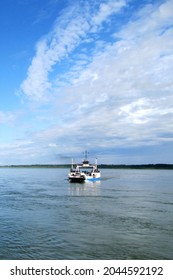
x=73, y=177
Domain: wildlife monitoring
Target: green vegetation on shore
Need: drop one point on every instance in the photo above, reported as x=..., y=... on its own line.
x=139, y=166
x=114, y=166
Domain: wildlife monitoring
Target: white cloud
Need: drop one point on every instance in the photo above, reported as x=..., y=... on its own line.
x=52, y=145
x=152, y=18
x=106, y=10
x=121, y=96
x=131, y=96
x=50, y=50
x=165, y=11
x=70, y=29
x=8, y=117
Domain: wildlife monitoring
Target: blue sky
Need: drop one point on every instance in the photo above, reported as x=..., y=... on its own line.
x=86, y=75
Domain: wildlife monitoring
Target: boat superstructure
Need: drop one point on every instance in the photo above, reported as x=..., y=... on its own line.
x=84, y=171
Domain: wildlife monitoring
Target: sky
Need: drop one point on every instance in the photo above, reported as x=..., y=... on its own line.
x=89, y=75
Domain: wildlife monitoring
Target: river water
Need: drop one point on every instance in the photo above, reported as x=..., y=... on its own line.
x=127, y=215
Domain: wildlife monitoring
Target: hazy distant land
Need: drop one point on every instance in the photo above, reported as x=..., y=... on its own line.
x=115, y=166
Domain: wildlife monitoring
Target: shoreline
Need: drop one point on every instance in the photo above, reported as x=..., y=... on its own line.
x=102, y=166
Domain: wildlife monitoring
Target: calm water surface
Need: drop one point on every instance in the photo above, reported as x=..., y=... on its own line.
x=127, y=215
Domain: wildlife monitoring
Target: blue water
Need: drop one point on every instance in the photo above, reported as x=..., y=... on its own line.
x=127, y=215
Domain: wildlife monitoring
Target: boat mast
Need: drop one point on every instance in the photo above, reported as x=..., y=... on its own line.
x=85, y=161
x=96, y=162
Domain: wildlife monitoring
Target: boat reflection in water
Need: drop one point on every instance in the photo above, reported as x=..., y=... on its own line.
x=87, y=188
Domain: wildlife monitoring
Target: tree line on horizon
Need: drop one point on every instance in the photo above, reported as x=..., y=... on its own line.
x=118, y=166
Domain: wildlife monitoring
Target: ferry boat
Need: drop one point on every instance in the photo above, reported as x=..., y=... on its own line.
x=84, y=171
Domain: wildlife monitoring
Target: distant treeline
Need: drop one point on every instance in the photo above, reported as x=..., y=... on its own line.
x=139, y=166
x=38, y=166
x=115, y=166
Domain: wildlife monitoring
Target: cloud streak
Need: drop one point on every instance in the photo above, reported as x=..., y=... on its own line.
x=105, y=92
x=8, y=117
x=69, y=31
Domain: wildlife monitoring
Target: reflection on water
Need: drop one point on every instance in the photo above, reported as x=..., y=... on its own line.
x=87, y=188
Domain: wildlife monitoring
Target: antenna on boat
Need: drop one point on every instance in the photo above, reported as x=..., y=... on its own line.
x=96, y=162
x=85, y=161
x=72, y=163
